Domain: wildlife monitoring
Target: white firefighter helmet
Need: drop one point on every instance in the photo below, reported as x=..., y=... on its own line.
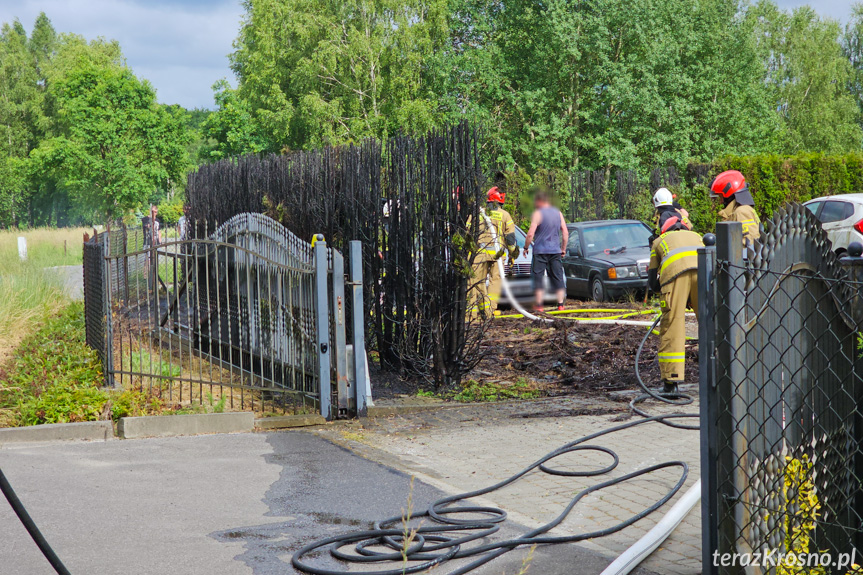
x=663, y=197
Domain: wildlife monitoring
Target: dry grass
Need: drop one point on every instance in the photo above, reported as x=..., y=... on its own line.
x=29, y=293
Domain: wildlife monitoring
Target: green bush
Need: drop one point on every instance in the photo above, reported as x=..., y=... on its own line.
x=54, y=377
x=777, y=180
x=170, y=211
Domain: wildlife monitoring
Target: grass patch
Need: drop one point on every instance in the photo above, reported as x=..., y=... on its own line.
x=54, y=377
x=45, y=246
x=475, y=391
x=30, y=292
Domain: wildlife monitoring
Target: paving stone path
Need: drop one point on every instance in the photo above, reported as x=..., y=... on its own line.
x=471, y=447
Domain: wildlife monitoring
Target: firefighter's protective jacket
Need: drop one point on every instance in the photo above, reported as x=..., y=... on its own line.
x=746, y=215
x=673, y=253
x=505, y=227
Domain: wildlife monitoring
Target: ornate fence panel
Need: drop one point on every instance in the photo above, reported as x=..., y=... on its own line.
x=247, y=316
x=781, y=388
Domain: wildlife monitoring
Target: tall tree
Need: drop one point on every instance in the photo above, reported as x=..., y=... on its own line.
x=328, y=71
x=852, y=44
x=232, y=126
x=809, y=76
x=608, y=82
x=22, y=117
x=112, y=145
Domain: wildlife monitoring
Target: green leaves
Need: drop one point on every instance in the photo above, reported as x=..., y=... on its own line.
x=79, y=133
x=329, y=72
x=112, y=144
x=808, y=76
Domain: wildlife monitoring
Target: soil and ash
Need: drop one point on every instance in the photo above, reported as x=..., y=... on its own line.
x=563, y=358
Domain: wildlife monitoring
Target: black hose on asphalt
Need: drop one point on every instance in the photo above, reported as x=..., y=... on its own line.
x=444, y=540
x=34, y=532
x=417, y=549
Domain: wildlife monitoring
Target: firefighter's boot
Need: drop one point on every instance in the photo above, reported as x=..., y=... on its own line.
x=670, y=387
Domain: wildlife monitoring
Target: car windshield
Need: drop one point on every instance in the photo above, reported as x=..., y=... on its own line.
x=520, y=237
x=615, y=238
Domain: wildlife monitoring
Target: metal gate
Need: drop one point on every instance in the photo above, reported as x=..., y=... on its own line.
x=782, y=424
x=247, y=316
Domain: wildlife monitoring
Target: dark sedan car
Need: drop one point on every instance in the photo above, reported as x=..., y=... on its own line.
x=606, y=259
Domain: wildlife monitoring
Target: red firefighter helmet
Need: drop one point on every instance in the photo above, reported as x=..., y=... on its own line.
x=495, y=195
x=728, y=184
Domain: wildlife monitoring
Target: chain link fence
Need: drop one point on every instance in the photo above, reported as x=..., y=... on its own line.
x=94, y=294
x=782, y=379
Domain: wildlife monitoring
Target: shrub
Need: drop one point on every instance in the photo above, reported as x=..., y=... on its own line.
x=54, y=377
x=777, y=180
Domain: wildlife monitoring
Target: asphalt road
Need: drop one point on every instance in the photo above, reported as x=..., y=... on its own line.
x=219, y=504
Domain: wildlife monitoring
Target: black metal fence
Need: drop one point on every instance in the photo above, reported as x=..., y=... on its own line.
x=243, y=316
x=408, y=202
x=781, y=386
x=94, y=293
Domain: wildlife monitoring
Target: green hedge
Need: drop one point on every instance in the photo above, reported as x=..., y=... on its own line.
x=776, y=180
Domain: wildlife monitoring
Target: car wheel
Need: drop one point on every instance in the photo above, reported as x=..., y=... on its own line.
x=597, y=289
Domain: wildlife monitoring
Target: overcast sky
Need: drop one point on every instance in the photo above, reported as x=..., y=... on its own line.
x=181, y=46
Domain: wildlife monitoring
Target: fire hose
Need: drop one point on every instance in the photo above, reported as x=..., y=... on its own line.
x=416, y=549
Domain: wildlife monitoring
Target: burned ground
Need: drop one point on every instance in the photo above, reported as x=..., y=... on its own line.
x=563, y=358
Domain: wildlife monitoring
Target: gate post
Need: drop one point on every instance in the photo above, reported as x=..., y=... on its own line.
x=355, y=256
x=339, y=343
x=731, y=424
x=323, y=326
x=708, y=402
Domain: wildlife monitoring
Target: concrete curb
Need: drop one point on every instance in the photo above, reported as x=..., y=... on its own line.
x=287, y=421
x=170, y=425
x=84, y=431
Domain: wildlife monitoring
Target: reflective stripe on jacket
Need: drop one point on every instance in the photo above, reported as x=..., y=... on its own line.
x=673, y=253
x=504, y=225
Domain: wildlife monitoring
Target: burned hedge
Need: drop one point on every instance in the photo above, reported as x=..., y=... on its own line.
x=408, y=200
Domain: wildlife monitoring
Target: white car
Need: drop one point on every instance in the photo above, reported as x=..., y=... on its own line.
x=841, y=217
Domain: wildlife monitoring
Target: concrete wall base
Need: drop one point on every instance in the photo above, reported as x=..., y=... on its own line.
x=86, y=430
x=286, y=421
x=169, y=425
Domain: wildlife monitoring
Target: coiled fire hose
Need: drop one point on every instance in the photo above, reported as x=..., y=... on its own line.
x=446, y=539
x=415, y=549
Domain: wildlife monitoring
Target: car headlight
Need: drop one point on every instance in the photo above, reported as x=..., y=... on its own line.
x=623, y=272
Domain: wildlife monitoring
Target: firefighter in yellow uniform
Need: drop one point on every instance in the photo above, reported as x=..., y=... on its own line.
x=739, y=206
x=484, y=300
x=673, y=272
x=666, y=204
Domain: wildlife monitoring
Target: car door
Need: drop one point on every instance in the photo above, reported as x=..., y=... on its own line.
x=574, y=266
x=833, y=216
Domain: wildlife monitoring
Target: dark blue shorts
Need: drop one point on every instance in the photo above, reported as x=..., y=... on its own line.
x=551, y=263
